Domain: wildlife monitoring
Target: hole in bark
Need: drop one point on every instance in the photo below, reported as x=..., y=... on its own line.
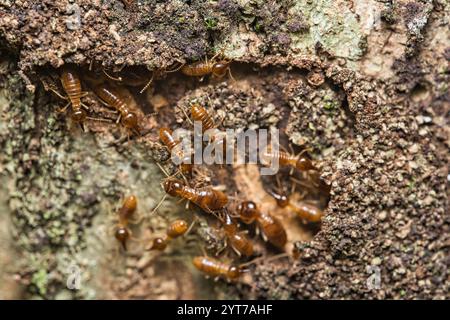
x=420, y=92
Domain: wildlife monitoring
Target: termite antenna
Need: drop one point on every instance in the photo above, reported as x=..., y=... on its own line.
x=176, y=69
x=186, y=115
x=163, y=170
x=257, y=260
x=57, y=93
x=159, y=204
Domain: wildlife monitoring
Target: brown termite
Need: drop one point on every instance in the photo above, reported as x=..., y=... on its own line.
x=238, y=241
x=71, y=84
x=166, y=137
x=128, y=118
x=217, y=68
x=200, y=114
x=176, y=229
x=157, y=73
x=202, y=68
x=307, y=211
x=304, y=210
x=122, y=233
x=206, y=198
x=271, y=227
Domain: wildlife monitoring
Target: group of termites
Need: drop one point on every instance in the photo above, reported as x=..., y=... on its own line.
x=230, y=212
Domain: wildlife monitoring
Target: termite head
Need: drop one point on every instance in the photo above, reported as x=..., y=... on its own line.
x=305, y=164
x=198, y=262
x=247, y=211
x=220, y=68
x=130, y=121
x=217, y=201
x=122, y=235
x=79, y=115
x=172, y=186
x=165, y=133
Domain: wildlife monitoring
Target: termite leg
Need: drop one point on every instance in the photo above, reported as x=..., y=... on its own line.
x=119, y=79
x=191, y=226
x=137, y=219
x=64, y=109
x=186, y=115
x=159, y=204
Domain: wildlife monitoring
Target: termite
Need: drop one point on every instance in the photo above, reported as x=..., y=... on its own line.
x=166, y=137
x=200, y=114
x=281, y=199
x=304, y=210
x=72, y=86
x=287, y=159
x=175, y=230
x=158, y=73
x=128, y=118
x=218, y=269
x=307, y=211
x=214, y=238
x=217, y=68
x=206, y=198
x=271, y=228
x=238, y=241
x=122, y=233
x=215, y=268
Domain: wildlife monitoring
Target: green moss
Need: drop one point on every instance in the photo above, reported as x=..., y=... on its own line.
x=329, y=104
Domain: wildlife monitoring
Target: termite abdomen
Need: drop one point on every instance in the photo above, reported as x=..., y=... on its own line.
x=200, y=114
